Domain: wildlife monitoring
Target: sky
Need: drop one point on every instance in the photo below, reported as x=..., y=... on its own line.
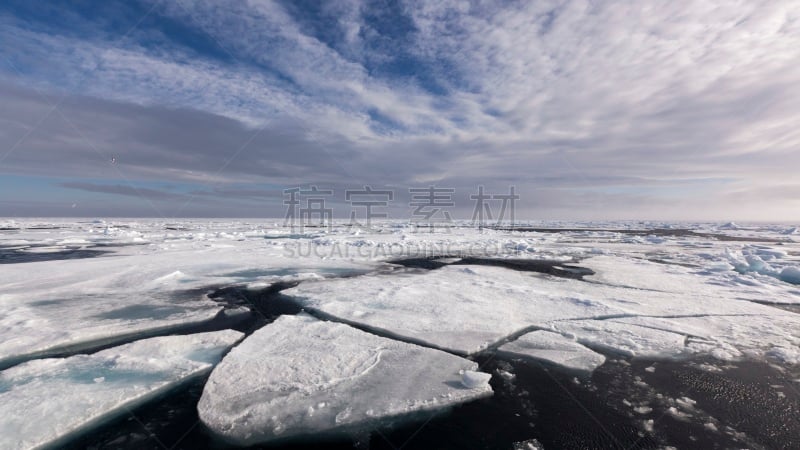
x=592, y=110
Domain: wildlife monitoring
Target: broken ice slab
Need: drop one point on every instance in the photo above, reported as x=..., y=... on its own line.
x=463, y=309
x=41, y=328
x=626, y=339
x=49, y=401
x=556, y=349
x=300, y=376
x=466, y=309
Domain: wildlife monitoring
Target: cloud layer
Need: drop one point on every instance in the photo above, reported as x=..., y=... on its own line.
x=592, y=109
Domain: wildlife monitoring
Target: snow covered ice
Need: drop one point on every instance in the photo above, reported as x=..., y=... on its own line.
x=47, y=401
x=301, y=376
x=472, y=379
x=628, y=339
x=464, y=309
x=53, y=307
x=721, y=295
x=467, y=309
x=44, y=327
x=554, y=348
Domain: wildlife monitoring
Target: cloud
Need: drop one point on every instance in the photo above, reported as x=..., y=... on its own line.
x=613, y=108
x=119, y=189
x=154, y=142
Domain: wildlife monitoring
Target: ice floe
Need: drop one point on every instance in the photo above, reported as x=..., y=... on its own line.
x=627, y=339
x=463, y=309
x=472, y=379
x=46, y=402
x=35, y=329
x=554, y=348
x=301, y=376
x=530, y=444
x=56, y=307
x=630, y=306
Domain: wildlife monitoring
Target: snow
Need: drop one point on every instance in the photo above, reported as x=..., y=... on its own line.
x=461, y=308
x=48, y=401
x=55, y=307
x=727, y=338
x=627, y=339
x=33, y=329
x=556, y=349
x=786, y=354
x=653, y=295
x=302, y=376
x=471, y=379
x=630, y=306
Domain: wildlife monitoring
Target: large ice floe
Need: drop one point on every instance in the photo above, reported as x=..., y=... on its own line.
x=462, y=309
x=46, y=402
x=633, y=307
x=301, y=376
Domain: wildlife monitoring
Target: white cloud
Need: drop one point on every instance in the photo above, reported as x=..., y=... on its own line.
x=637, y=92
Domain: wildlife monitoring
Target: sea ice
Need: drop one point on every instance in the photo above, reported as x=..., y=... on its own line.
x=755, y=260
x=35, y=329
x=627, y=339
x=790, y=275
x=614, y=271
x=530, y=444
x=301, y=376
x=630, y=306
x=472, y=379
x=462, y=308
x=556, y=349
x=49, y=401
x=727, y=337
x=56, y=307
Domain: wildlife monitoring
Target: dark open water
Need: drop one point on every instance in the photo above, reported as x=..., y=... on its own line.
x=546, y=404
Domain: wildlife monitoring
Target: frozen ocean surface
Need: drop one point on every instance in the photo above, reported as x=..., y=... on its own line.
x=715, y=306
x=464, y=309
x=44, y=402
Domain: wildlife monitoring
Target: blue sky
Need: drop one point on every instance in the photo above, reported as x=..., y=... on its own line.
x=594, y=110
